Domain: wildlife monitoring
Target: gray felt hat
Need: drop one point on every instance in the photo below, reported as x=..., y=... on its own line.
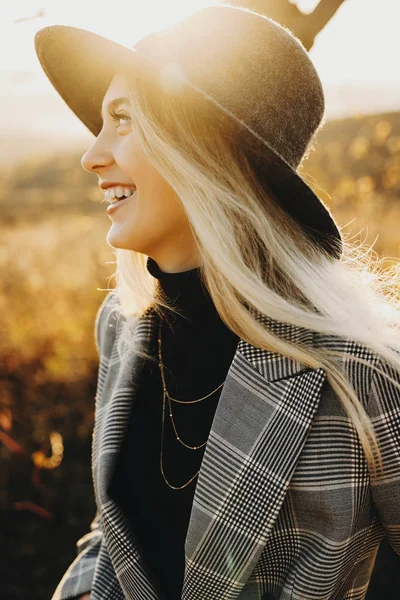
x=253, y=69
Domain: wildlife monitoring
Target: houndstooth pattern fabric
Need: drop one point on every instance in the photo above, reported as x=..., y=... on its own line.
x=283, y=508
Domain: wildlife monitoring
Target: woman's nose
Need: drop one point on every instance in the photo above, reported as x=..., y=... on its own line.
x=95, y=157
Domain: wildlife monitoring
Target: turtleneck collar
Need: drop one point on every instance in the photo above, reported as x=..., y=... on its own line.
x=185, y=290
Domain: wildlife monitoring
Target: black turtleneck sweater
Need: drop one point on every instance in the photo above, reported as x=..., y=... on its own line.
x=197, y=352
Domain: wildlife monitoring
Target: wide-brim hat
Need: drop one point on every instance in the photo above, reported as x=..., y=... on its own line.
x=250, y=67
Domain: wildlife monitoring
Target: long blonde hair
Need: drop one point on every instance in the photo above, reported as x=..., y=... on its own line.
x=255, y=258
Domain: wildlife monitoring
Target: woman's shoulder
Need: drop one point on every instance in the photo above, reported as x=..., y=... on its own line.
x=345, y=348
x=367, y=369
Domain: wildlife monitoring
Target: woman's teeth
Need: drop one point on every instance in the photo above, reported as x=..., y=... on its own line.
x=114, y=194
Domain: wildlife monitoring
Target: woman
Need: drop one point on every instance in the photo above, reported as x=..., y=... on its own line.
x=246, y=440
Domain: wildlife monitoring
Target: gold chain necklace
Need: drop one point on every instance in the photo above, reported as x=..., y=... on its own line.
x=165, y=394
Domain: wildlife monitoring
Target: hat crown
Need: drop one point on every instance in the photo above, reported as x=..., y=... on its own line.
x=258, y=70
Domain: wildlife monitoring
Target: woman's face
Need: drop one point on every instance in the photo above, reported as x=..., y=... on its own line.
x=152, y=221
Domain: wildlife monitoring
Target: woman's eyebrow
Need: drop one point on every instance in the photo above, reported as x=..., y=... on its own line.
x=114, y=104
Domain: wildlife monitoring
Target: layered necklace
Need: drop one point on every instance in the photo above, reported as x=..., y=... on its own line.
x=170, y=401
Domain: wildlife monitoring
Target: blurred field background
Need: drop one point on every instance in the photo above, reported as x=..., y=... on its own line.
x=55, y=265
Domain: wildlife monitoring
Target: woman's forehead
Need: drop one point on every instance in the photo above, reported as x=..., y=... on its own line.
x=116, y=93
x=117, y=84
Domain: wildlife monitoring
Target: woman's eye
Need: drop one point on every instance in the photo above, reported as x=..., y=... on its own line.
x=120, y=118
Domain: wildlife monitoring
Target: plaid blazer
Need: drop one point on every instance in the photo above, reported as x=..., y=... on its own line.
x=283, y=507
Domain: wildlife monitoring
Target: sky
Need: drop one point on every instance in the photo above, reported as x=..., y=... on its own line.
x=361, y=43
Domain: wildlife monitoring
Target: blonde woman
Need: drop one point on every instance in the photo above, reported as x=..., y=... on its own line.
x=246, y=441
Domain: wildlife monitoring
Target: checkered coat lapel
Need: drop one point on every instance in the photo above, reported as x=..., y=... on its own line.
x=259, y=429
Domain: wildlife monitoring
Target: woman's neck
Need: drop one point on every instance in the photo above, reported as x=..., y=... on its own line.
x=185, y=290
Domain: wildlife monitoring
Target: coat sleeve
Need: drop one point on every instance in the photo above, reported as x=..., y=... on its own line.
x=77, y=579
x=384, y=411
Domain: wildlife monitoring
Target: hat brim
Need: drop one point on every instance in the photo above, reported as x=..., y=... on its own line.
x=80, y=65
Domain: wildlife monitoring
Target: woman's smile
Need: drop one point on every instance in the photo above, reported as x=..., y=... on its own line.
x=120, y=202
x=116, y=192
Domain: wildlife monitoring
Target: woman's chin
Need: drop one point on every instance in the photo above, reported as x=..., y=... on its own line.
x=116, y=238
